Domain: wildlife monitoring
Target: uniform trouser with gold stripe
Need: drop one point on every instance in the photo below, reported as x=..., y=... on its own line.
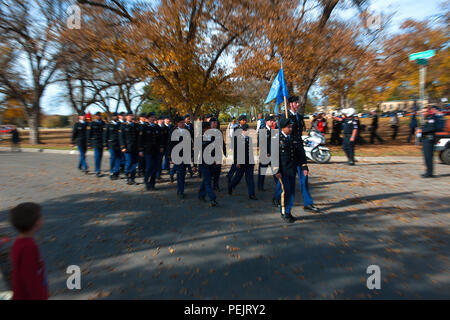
x=285, y=192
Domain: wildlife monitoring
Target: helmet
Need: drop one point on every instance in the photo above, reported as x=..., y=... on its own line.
x=349, y=112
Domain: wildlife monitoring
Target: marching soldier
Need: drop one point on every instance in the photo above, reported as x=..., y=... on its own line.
x=246, y=167
x=207, y=170
x=217, y=167
x=189, y=127
x=300, y=156
x=79, y=137
x=122, y=117
x=164, y=138
x=178, y=168
x=142, y=124
x=128, y=138
x=350, y=128
x=111, y=141
x=242, y=121
x=268, y=122
x=95, y=140
x=285, y=174
x=149, y=142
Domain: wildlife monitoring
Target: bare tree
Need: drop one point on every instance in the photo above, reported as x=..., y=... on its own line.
x=28, y=31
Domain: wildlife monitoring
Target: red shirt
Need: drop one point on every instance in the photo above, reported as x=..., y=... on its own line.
x=29, y=278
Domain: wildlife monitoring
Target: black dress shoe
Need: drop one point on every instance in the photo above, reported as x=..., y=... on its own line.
x=98, y=174
x=148, y=187
x=275, y=202
x=427, y=176
x=288, y=218
x=351, y=163
x=230, y=190
x=312, y=207
x=172, y=179
x=214, y=203
x=253, y=197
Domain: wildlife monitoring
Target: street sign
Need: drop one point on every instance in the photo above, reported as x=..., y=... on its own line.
x=422, y=55
x=422, y=62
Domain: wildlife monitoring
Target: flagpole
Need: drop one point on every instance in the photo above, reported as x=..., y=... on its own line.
x=285, y=102
x=285, y=107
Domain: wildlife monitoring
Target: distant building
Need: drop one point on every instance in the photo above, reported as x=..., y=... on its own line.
x=398, y=105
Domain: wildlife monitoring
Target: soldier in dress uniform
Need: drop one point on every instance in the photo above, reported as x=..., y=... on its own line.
x=164, y=133
x=207, y=170
x=217, y=167
x=149, y=142
x=189, y=127
x=142, y=123
x=268, y=123
x=242, y=121
x=285, y=174
x=111, y=142
x=79, y=138
x=246, y=167
x=178, y=168
x=122, y=120
x=95, y=140
x=300, y=156
x=128, y=136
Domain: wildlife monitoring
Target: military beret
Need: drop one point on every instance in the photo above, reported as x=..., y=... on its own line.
x=122, y=113
x=293, y=99
x=245, y=127
x=269, y=118
x=114, y=114
x=151, y=114
x=82, y=114
x=213, y=119
x=242, y=117
x=129, y=113
x=143, y=115
x=187, y=116
x=209, y=115
x=166, y=117
x=161, y=118
x=98, y=113
x=284, y=122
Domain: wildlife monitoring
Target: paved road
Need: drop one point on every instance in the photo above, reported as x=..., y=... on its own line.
x=134, y=244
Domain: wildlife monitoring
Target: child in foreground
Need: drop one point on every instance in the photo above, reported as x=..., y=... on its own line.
x=29, y=278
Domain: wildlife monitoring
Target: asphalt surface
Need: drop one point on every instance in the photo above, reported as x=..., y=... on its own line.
x=135, y=244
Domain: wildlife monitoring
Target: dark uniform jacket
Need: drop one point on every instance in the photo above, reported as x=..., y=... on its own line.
x=164, y=136
x=207, y=140
x=287, y=162
x=349, y=124
x=95, y=134
x=297, y=129
x=79, y=134
x=128, y=137
x=238, y=147
x=171, y=144
x=430, y=125
x=111, y=135
x=149, y=140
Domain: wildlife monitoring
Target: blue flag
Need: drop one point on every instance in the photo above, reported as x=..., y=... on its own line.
x=278, y=90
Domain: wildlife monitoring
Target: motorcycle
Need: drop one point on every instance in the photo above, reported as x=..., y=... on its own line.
x=314, y=145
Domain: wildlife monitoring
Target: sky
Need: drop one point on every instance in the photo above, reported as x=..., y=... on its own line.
x=53, y=103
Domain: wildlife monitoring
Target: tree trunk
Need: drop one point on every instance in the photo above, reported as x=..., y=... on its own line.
x=34, y=122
